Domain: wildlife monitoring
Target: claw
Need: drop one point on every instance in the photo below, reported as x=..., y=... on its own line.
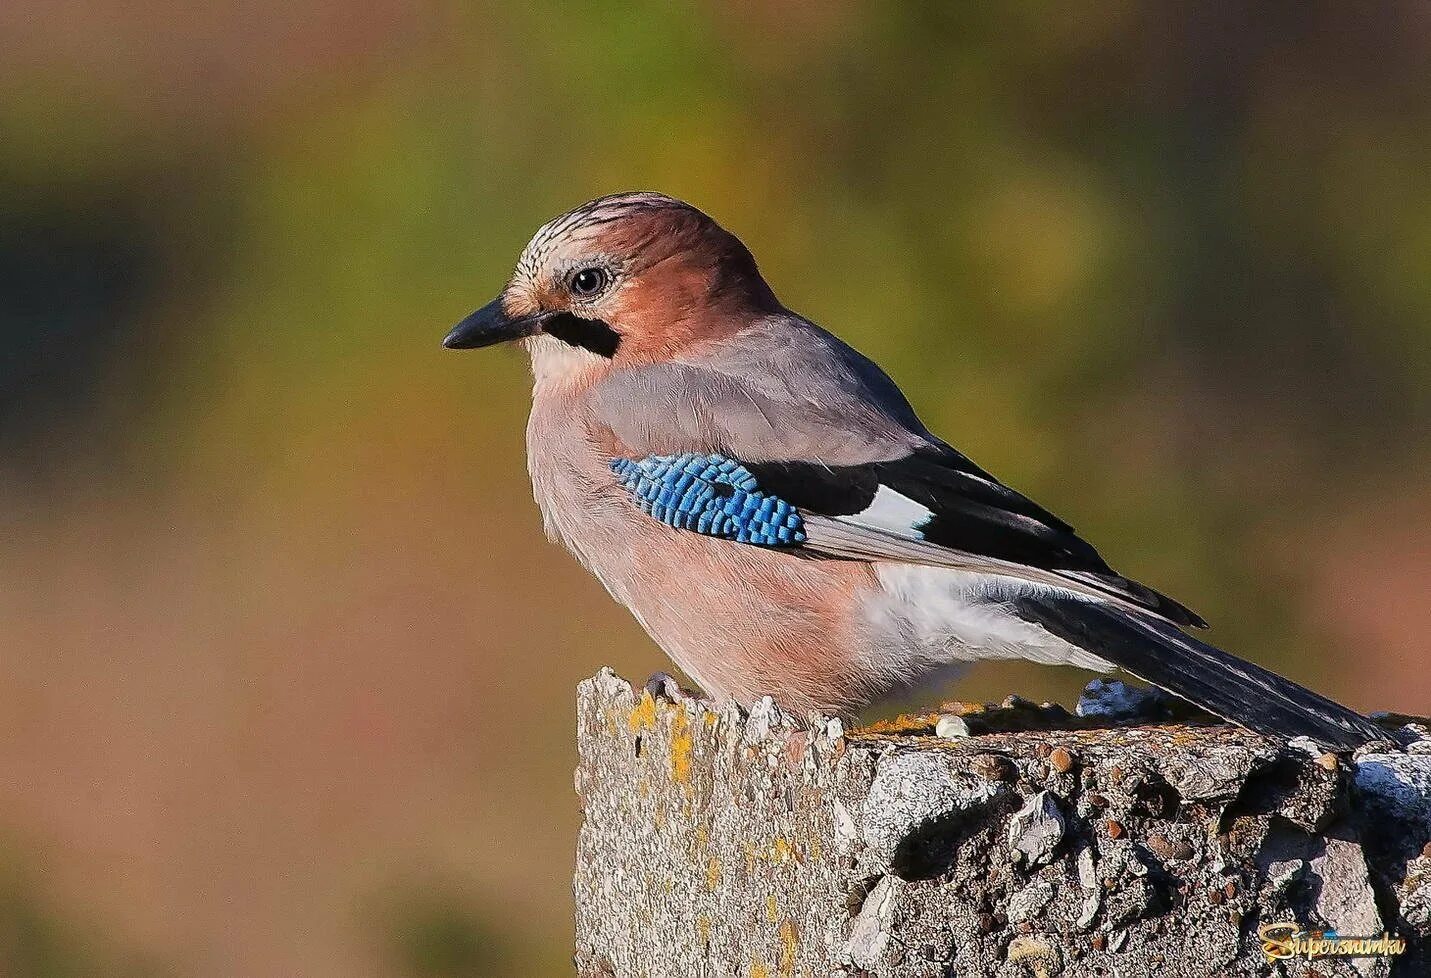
x=662, y=686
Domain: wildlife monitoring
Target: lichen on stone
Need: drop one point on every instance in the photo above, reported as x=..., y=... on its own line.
x=718, y=842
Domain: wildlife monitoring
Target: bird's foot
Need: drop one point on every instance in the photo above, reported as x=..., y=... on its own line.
x=662, y=686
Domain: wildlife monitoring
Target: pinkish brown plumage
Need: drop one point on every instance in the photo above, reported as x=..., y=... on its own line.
x=790, y=641
x=766, y=503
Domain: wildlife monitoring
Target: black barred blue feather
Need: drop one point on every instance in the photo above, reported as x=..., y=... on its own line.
x=710, y=494
x=932, y=506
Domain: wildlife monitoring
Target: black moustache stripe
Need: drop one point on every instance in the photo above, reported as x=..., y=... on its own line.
x=589, y=334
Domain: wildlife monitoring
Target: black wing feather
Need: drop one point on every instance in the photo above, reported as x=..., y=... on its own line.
x=972, y=512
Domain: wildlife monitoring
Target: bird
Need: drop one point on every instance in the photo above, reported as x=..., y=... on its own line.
x=767, y=504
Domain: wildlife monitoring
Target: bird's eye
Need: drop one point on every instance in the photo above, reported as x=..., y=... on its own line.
x=589, y=282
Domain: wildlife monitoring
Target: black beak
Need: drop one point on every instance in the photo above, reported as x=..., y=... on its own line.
x=490, y=325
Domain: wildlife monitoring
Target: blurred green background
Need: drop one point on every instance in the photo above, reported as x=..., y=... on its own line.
x=288, y=664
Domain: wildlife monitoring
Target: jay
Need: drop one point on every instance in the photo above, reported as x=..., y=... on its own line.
x=767, y=504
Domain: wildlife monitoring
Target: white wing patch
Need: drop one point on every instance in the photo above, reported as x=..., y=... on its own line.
x=894, y=512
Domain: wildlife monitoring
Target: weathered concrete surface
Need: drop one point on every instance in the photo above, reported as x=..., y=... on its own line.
x=732, y=845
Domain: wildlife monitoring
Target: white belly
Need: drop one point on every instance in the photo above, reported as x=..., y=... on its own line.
x=926, y=619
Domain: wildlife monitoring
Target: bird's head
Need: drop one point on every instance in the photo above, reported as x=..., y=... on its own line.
x=627, y=279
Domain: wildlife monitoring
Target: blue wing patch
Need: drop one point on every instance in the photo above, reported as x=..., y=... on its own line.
x=710, y=494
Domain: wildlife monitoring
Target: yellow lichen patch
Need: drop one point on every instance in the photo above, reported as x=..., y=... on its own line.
x=712, y=873
x=643, y=714
x=789, y=941
x=905, y=723
x=703, y=929
x=781, y=851
x=772, y=909
x=758, y=970
x=682, y=747
x=711, y=719
x=1034, y=954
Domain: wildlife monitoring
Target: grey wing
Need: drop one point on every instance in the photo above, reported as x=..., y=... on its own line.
x=824, y=429
x=783, y=390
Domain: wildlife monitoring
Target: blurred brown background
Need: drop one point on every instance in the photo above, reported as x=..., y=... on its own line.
x=288, y=665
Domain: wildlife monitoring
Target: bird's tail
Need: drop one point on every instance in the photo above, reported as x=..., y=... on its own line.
x=1204, y=675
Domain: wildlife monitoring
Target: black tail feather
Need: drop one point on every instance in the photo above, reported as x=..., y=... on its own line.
x=1204, y=675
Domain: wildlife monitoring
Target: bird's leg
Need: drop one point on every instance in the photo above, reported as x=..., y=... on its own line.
x=662, y=686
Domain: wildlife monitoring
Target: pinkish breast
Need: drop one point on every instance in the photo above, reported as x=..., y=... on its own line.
x=741, y=621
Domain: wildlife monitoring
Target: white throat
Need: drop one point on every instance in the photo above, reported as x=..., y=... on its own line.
x=556, y=362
